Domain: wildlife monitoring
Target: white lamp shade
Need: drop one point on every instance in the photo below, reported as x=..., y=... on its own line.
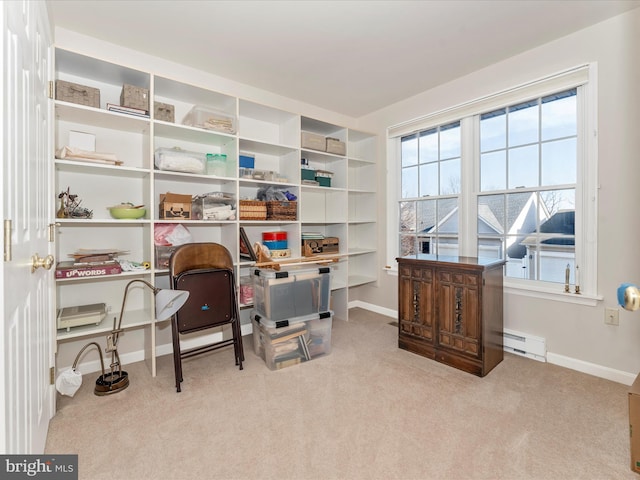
x=169, y=302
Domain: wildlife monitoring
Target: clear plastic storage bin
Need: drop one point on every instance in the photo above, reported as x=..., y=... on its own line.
x=210, y=119
x=291, y=292
x=304, y=339
x=179, y=160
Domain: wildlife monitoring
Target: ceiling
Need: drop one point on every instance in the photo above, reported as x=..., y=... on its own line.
x=351, y=57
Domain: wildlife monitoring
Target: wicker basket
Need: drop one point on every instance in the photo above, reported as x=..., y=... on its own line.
x=164, y=111
x=135, y=97
x=253, y=210
x=282, y=210
x=75, y=93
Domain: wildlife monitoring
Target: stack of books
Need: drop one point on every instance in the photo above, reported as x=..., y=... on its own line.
x=90, y=263
x=312, y=236
x=289, y=346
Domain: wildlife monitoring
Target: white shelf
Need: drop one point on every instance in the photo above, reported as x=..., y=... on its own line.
x=131, y=319
x=346, y=210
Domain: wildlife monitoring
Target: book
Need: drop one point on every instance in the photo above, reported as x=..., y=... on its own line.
x=93, y=258
x=74, y=270
x=287, y=359
x=128, y=110
x=304, y=347
x=288, y=335
x=312, y=236
x=287, y=363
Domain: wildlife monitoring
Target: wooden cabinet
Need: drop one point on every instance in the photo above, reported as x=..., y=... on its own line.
x=450, y=310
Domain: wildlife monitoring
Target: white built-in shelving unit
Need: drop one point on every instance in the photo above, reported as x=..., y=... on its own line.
x=346, y=209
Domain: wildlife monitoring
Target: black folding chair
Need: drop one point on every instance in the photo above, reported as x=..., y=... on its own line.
x=205, y=270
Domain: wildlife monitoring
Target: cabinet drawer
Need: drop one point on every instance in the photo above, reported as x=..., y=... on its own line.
x=417, y=273
x=459, y=278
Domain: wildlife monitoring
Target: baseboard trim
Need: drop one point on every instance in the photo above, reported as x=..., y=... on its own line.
x=374, y=308
x=591, y=368
x=567, y=362
x=600, y=371
x=161, y=350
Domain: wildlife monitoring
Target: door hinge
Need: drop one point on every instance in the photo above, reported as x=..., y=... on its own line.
x=51, y=89
x=52, y=375
x=52, y=232
x=7, y=240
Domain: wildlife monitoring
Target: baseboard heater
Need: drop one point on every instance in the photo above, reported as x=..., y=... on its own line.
x=525, y=345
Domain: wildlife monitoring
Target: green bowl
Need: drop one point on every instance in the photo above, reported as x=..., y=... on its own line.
x=127, y=213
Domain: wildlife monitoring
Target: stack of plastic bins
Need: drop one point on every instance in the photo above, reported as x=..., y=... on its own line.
x=291, y=320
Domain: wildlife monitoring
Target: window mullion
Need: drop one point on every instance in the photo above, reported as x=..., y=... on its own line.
x=468, y=201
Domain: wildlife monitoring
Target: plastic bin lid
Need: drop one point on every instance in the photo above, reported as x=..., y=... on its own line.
x=261, y=319
x=291, y=271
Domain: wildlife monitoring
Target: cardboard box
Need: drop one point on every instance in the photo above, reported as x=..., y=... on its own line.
x=327, y=245
x=331, y=245
x=82, y=140
x=336, y=146
x=175, y=206
x=634, y=424
x=313, y=141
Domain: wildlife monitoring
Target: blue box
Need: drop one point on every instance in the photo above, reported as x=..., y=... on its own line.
x=247, y=161
x=275, y=244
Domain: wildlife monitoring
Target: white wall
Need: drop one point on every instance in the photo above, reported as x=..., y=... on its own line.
x=576, y=335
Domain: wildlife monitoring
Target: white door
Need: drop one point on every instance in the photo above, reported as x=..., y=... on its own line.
x=27, y=333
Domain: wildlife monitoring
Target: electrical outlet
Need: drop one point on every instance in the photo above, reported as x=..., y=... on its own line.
x=611, y=316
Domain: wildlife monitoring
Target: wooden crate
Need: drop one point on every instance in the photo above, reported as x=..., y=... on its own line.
x=277, y=210
x=253, y=210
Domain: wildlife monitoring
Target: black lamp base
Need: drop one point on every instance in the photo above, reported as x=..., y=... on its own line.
x=113, y=382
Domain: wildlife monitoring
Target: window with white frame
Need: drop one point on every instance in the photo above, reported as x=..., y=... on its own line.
x=522, y=188
x=430, y=187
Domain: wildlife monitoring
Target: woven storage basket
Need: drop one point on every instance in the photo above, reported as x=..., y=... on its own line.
x=135, y=97
x=75, y=93
x=282, y=210
x=253, y=210
x=164, y=111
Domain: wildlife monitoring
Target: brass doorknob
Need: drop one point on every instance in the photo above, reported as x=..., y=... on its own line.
x=37, y=262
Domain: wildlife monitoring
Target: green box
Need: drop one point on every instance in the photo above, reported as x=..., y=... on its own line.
x=324, y=181
x=308, y=174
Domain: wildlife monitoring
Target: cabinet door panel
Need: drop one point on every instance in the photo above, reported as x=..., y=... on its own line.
x=458, y=312
x=416, y=304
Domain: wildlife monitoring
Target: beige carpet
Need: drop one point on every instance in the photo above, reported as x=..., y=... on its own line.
x=366, y=411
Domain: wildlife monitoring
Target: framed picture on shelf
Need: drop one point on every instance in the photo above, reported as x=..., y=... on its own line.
x=246, y=250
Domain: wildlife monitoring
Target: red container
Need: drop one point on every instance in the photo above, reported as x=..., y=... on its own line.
x=274, y=236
